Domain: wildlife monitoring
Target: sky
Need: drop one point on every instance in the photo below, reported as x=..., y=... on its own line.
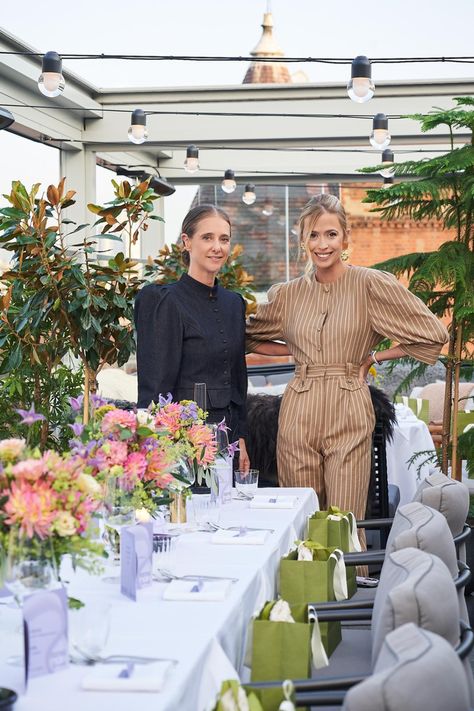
x=395, y=28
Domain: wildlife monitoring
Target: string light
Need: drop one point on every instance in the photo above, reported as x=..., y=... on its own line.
x=380, y=137
x=267, y=209
x=249, y=196
x=6, y=118
x=51, y=81
x=387, y=160
x=191, y=164
x=137, y=132
x=228, y=185
x=361, y=87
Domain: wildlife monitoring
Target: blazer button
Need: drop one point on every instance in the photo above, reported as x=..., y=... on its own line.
x=221, y=330
x=225, y=372
x=224, y=341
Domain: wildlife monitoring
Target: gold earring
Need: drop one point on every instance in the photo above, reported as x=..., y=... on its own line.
x=344, y=255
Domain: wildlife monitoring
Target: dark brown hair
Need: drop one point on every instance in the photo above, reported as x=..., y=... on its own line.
x=194, y=217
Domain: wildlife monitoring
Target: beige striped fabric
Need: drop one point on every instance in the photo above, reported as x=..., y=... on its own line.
x=326, y=418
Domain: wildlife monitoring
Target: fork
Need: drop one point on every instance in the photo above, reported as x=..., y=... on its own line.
x=167, y=575
x=217, y=527
x=119, y=658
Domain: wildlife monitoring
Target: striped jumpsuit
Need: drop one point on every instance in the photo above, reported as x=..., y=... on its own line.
x=326, y=418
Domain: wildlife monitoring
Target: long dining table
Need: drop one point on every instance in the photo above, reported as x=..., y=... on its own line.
x=207, y=639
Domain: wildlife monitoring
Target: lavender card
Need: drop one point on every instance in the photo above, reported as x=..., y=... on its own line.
x=136, y=552
x=45, y=616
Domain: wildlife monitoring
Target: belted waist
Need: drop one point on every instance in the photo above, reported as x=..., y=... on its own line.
x=312, y=370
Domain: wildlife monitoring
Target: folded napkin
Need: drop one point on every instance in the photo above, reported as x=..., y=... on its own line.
x=212, y=590
x=246, y=538
x=143, y=677
x=272, y=502
x=405, y=414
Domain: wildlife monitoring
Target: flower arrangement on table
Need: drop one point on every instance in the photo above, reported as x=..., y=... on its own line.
x=46, y=498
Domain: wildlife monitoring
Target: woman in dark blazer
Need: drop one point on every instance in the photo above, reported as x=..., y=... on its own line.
x=193, y=331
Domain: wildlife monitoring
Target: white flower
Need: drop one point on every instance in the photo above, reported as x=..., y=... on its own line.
x=65, y=524
x=88, y=485
x=144, y=417
x=11, y=449
x=281, y=612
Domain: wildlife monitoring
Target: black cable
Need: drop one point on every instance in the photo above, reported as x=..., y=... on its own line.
x=284, y=60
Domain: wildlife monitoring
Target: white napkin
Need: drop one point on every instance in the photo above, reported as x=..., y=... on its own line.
x=211, y=590
x=272, y=502
x=144, y=677
x=249, y=538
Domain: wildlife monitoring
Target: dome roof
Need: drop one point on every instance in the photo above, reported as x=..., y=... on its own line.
x=267, y=72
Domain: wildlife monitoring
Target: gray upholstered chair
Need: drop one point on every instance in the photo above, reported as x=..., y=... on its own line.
x=418, y=526
x=415, y=587
x=415, y=669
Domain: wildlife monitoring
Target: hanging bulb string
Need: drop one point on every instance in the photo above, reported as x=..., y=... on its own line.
x=238, y=114
x=284, y=60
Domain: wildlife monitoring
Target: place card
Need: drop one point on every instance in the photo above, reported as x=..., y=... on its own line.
x=45, y=617
x=136, y=554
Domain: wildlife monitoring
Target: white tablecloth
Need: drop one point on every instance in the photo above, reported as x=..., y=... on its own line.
x=207, y=638
x=410, y=435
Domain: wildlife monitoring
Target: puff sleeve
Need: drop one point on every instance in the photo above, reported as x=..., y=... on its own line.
x=268, y=323
x=159, y=331
x=398, y=314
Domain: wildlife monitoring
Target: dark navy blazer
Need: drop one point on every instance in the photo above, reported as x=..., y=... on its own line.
x=190, y=333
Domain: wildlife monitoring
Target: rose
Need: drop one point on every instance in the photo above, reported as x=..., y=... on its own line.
x=11, y=449
x=65, y=524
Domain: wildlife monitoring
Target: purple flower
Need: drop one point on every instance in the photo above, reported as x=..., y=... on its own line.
x=222, y=426
x=233, y=448
x=76, y=403
x=29, y=417
x=77, y=428
x=165, y=400
x=97, y=401
x=192, y=409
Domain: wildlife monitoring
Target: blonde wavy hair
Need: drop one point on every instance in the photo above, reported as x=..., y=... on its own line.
x=311, y=213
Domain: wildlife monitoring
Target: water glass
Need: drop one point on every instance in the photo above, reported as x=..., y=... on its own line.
x=246, y=483
x=89, y=628
x=205, y=509
x=164, y=546
x=30, y=565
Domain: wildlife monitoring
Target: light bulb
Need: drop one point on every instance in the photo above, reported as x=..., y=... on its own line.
x=191, y=164
x=51, y=81
x=267, y=208
x=137, y=133
x=380, y=137
x=249, y=196
x=387, y=159
x=361, y=87
x=228, y=185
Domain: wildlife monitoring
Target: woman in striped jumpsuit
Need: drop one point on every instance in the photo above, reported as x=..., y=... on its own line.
x=331, y=319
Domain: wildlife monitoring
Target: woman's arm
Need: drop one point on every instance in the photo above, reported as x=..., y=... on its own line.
x=388, y=354
x=271, y=348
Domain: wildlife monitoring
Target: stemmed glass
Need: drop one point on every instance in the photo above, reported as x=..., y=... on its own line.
x=118, y=511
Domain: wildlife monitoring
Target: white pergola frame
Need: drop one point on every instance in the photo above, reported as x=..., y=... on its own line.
x=86, y=134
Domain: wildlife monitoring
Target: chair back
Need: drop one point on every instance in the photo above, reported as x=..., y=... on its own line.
x=417, y=587
x=415, y=669
x=448, y=496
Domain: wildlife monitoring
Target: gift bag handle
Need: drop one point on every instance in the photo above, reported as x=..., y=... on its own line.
x=339, y=576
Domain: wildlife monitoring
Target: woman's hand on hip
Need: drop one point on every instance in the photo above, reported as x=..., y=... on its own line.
x=364, y=369
x=244, y=461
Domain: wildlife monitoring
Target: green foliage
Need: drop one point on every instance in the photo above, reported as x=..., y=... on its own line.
x=440, y=188
x=169, y=266
x=60, y=299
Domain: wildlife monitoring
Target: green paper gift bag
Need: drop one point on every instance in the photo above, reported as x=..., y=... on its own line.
x=336, y=529
x=421, y=408
x=319, y=580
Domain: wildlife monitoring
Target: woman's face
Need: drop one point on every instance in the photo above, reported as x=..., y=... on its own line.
x=325, y=242
x=209, y=246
